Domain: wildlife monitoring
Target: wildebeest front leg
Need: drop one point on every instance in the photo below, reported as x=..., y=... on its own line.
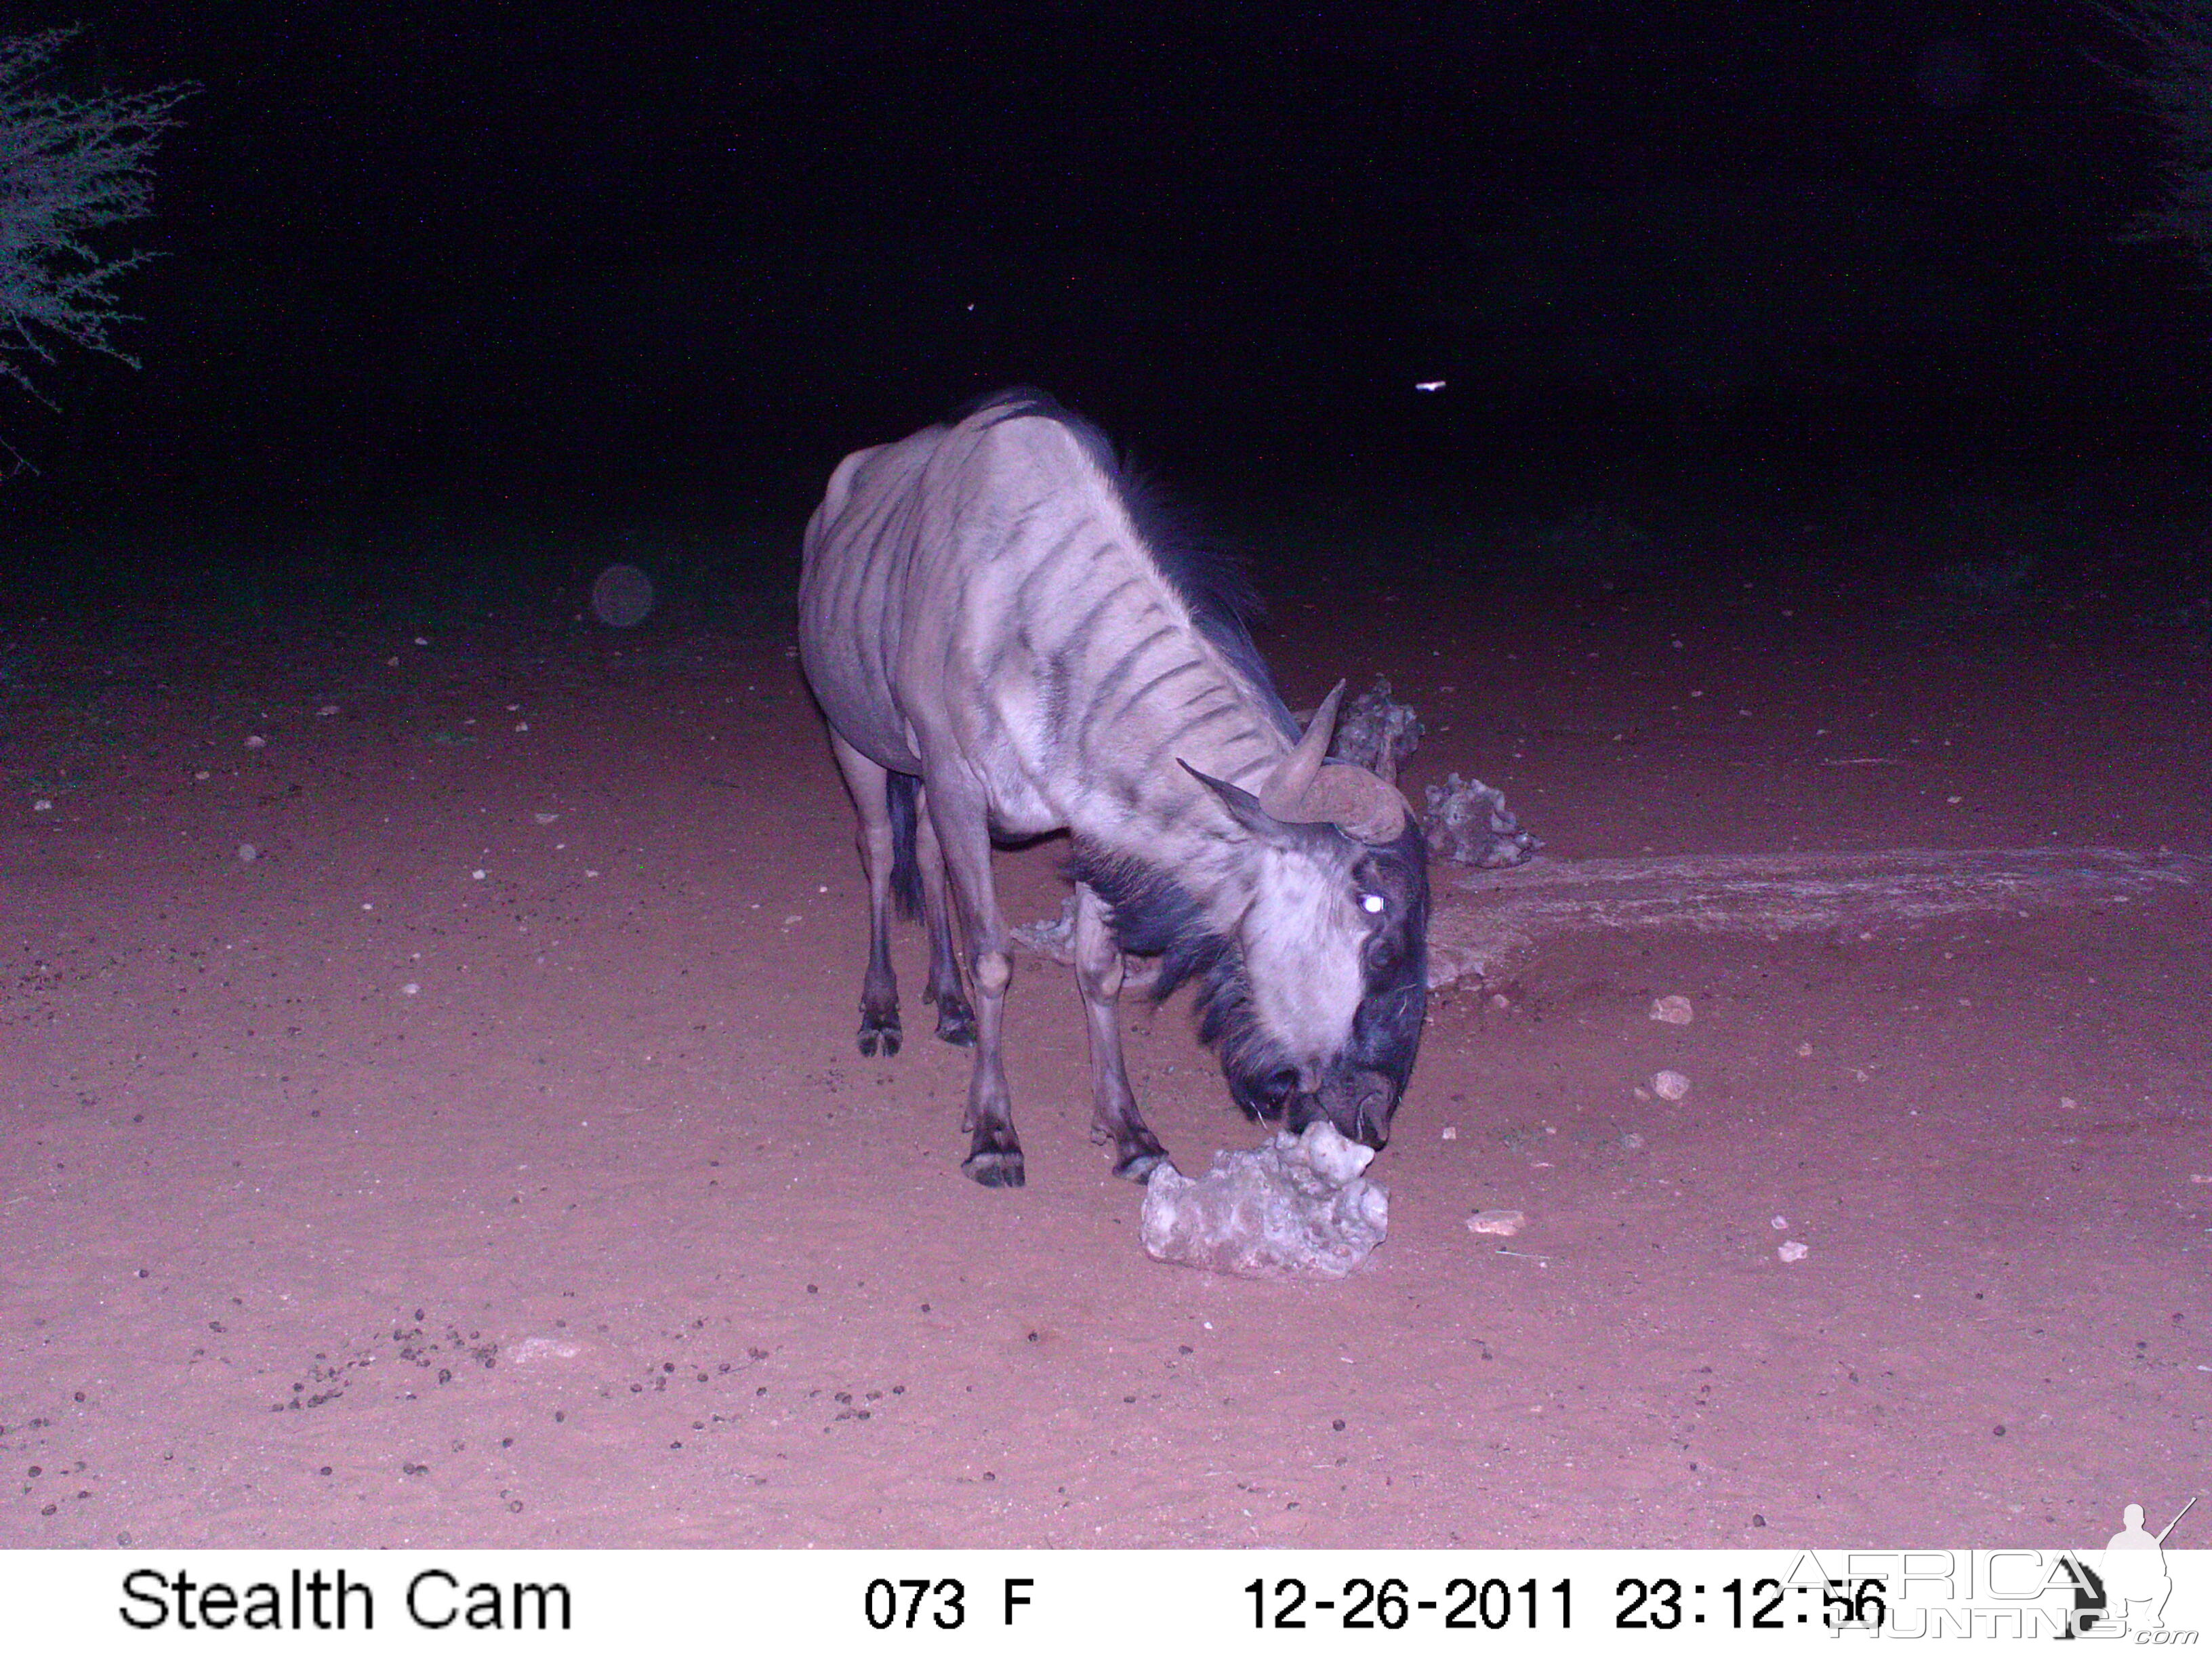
x=869, y=783
x=1115, y=1119
x=955, y=1020
x=956, y=808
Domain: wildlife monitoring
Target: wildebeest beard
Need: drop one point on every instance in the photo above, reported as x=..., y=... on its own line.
x=1154, y=916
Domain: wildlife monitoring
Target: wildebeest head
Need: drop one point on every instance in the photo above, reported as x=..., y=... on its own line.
x=1317, y=1014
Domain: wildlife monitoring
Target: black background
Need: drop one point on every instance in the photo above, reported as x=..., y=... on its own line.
x=524, y=254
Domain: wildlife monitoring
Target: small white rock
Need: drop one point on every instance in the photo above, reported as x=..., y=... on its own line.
x=1670, y=1086
x=1779, y=1223
x=1791, y=1250
x=1673, y=1010
x=1804, y=1051
x=247, y=852
x=410, y=989
x=326, y=710
x=257, y=742
x=535, y=1350
x=48, y=806
x=1451, y=1132
x=545, y=818
x=1502, y=1223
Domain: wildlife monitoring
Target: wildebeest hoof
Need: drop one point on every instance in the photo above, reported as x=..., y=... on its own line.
x=956, y=1022
x=1138, y=1163
x=994, y=1168
x=888, y=1034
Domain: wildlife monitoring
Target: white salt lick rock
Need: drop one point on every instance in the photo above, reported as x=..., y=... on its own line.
x=1296, y=1207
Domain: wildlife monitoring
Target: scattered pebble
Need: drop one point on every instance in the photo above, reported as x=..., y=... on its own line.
x=326, y=710
x=533, y=1350
x=545, y=818
x=1791, y=1250
x=1779, y=1223
x=410, y=989
x=1451, y=1132
x=2068, y=1103
x=1673, y=1010
x=1804, y=1051
x=247, y=852
x=257, y=742
x=1670, y=1086
x=1504, y=1223
x=476, y=875
x=48, y=806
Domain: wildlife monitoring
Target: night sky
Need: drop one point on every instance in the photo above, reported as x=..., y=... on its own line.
x=540, y=250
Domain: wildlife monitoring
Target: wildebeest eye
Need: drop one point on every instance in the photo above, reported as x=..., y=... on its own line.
x=1373, y=903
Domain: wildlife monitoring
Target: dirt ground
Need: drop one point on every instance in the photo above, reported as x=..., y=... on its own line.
x=433, y=1117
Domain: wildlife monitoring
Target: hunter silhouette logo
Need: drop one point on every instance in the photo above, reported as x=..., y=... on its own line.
x=2127, y=1590
x=2135, y=1581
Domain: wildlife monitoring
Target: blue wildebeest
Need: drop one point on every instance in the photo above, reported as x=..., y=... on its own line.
x=1008, y=638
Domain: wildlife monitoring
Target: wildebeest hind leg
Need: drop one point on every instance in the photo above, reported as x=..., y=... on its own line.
x=1115, y=1119
x=870, y=785
x=955, y=1020
x=956, y=808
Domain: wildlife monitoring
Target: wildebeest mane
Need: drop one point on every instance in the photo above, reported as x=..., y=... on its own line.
x=1206, y=572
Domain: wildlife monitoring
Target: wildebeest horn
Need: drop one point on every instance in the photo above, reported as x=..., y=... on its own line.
x=1287, y=784
x=1302, y=790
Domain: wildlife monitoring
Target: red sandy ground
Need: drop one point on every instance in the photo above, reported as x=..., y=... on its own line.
x=488, y=1161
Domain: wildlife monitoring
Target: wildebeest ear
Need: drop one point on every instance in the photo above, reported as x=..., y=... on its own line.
x=1247, y=811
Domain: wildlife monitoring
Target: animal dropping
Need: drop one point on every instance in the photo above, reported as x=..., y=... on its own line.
x=1296, y=1207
